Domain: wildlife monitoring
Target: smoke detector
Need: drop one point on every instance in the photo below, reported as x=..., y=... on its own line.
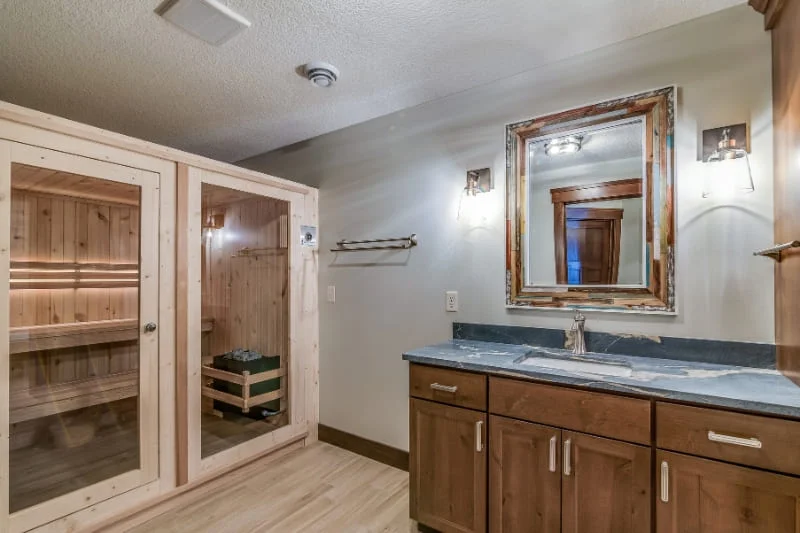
x=209, y=20
x=320, y=73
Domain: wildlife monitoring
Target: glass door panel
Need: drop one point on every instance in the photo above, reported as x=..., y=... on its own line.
x=76, y=350
x=245, y=309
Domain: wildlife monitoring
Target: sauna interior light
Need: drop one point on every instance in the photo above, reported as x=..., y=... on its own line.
x=563, y=145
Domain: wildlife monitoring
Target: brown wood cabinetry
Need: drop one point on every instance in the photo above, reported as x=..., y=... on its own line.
x=464, y=389
x=553, y=469
x=606, y=486
x=447, y=463
x=524, y=477
x=767, y=443
x=597, y=413
x=703, y=496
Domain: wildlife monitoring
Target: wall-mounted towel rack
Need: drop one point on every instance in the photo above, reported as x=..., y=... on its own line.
x=399, y=243
x=775, y=251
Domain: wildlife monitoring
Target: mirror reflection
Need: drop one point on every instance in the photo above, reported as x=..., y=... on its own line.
x=586, y=216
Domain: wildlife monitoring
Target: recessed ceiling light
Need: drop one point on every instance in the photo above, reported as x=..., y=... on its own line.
x=320, y=73
x=209, y=20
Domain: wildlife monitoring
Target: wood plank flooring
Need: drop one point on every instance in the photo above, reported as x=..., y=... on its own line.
x=317, y=489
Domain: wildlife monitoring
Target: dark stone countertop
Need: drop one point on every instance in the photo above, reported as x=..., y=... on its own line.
x=760, y=390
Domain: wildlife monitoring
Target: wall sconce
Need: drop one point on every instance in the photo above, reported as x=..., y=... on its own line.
x=213, y=223
x=725, y=151
x=478, y=182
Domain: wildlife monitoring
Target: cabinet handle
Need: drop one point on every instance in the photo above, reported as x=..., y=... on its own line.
x=479, y=436
x=567, y=459
x=737, y=441
x=664, y=482
x=444, y=388
x=553, y=440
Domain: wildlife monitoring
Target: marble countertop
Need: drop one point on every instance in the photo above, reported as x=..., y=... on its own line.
x=760, y=390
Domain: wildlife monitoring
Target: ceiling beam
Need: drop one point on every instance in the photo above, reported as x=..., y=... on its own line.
x=771, y=9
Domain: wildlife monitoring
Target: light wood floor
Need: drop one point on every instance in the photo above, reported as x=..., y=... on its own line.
x=316, y=489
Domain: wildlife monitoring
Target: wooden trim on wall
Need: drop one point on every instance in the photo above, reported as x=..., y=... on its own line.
x=368, y=448
x=595, y=192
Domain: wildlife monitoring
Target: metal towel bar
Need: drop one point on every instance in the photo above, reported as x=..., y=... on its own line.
x=775, y=251
x=347, y=245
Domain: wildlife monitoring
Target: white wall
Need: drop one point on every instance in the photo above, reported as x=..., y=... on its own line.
x=404, y=173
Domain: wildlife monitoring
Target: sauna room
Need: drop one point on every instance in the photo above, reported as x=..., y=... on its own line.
x=399, y=266
x=74, y=326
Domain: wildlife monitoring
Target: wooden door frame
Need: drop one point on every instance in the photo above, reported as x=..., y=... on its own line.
x=595, y=192
x=191, y=465
x=31, y=146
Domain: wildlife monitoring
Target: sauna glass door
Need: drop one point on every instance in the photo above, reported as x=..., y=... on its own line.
x=244, y=252
x=81, y=352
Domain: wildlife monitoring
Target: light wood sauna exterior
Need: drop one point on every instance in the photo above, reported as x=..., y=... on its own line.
x=118, y=304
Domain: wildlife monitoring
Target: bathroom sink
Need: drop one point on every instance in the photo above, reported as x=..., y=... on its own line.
x=601, y=368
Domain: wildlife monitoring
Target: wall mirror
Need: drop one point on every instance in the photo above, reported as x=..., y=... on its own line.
x=590, y=207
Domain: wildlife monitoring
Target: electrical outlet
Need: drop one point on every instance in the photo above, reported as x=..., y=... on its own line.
x=451, y=301
x=331, y=294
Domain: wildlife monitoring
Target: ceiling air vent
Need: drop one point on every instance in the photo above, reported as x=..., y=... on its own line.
x=209, y=20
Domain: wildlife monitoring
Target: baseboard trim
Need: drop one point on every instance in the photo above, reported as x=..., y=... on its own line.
x=368, y=448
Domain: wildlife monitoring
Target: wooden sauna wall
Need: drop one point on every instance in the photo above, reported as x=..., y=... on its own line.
x=60, y=229
x=246, y=296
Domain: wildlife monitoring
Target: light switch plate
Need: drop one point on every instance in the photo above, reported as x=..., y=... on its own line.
x=451, y=301
x=331, y=294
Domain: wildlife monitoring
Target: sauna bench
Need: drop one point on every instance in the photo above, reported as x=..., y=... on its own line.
x=756, y=390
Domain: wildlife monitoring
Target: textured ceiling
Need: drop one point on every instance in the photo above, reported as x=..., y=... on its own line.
x=117, y=65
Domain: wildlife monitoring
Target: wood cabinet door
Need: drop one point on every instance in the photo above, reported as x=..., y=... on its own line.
x=448, y=467
x=704, y=496
x=606, y=485
x=524, y=477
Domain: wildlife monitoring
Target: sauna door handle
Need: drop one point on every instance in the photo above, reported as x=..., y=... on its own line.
x=150, y=327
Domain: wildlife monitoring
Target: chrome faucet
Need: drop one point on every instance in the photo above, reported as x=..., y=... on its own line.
x=579, y=342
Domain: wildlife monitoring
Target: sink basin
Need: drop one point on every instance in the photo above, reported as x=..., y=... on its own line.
x=590, y=367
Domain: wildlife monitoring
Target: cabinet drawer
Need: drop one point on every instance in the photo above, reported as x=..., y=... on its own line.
x=751, y=440
x=455, y=387
x=596, y=413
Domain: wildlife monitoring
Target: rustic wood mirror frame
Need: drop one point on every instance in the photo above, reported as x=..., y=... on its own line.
x=657, y=295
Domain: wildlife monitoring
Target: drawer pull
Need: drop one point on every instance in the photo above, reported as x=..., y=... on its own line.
x=664, y=482
x=479, y=436
x=444, y=388
x=567, y=459
x=553, y=441
x=737, y=441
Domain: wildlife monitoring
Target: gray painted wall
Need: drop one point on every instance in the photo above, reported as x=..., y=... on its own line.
x=404, y=173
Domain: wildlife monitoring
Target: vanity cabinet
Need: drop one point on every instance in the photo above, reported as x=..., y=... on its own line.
x=448, y=467
x=568, y=460
x=703, y=496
